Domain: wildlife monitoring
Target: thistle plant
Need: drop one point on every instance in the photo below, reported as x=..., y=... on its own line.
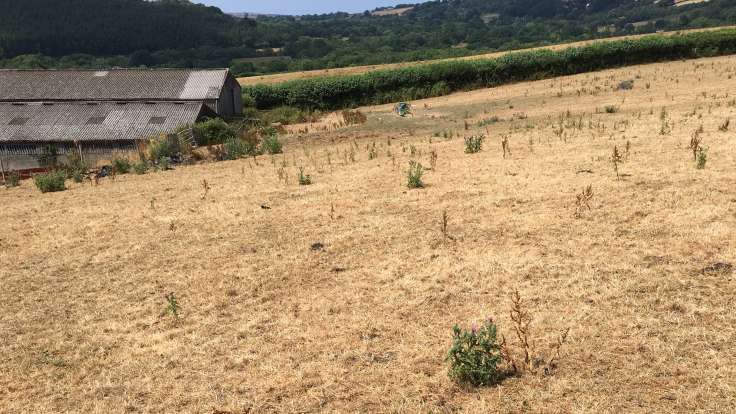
x=475, y=355
x=474, y=144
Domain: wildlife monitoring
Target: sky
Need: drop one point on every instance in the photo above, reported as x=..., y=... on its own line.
x=297, y=7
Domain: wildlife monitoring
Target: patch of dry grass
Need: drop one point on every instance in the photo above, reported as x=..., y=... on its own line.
x=340, y=296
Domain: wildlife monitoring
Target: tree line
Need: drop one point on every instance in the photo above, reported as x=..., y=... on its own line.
x=178, y=33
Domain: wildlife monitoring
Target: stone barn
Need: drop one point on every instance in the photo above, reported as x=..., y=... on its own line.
x=97, y=113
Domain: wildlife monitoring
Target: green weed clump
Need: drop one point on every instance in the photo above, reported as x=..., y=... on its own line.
x=75, y=167
x=626, y=85
x=287, y=115
x=12, y=179
x=611, y=109
x=414, y=175
x=489, y=121
x=235, y=148
x=213, y=131
x=50, y=182
x=474, y=144
x=140, y=168
x=272, y=145
x=702, y=158
x=121, y=165
x=475, y=355
x=304, y=179
x=172, y=304
x=160, y=148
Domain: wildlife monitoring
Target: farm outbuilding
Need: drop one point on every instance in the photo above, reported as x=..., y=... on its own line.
x=99, y=112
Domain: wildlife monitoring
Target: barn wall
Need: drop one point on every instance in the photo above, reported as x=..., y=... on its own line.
x=21, y=156
x=231, y=99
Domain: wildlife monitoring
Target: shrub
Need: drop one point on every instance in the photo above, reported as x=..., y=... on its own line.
x=414, y=175
x=77, y=176
x=140, y=168
x=163, y=164
x=611, y=109
x=286, y=115
x=475, y=355
x=12, y=179
x=626, y=85
x=354, y=117
x=235, y=148
x=272, y=145
x=489, y=121
x=304, y=179
x=213, y=131
x=75, y=168
x=121, y=165
x=50, y=182
x=160, y=148
x=474, y=144
x=702, y=158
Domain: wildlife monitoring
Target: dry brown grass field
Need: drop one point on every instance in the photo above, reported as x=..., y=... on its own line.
x=356, y=70
x=340, y=296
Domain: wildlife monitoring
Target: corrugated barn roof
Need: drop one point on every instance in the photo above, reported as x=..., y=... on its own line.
x=111, y=85
x=100, y=121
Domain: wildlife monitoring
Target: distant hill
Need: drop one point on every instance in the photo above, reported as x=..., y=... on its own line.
x=177, y=33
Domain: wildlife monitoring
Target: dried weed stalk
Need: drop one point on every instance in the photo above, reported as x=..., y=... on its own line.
x=528, y=362
x=206, y=188
x=616, y=159
x=582, y=201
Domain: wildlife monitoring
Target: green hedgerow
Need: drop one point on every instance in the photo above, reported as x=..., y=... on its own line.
x=433, y=79
x=50, y=182
x=475, y=355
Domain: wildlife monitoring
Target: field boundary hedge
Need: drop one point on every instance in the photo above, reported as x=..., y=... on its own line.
x=437, y=79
